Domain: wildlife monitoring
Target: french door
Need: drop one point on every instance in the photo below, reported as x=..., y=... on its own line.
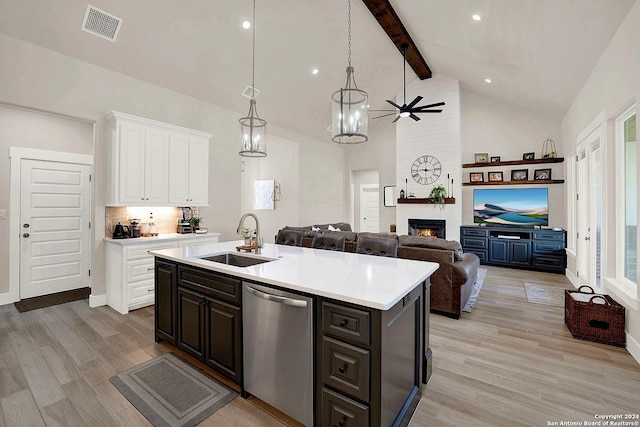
x=589, y=210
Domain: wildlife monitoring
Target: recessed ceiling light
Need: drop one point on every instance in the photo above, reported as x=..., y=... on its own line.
x=246, y=25
x=476, y=17
x=487, y=80
x=315, y=71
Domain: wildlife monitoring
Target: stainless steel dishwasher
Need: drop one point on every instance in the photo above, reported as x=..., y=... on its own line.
x=278, y=349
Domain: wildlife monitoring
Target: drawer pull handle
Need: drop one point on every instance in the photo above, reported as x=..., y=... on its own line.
x=344, y=322
x=342, y=421
x=343, y=368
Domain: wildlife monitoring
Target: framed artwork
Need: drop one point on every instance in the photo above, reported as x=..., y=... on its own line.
x=495, y=159
x=263, y=194
x=520, y=175
x=495, y=176
x=481, y=157
x=542, y=174
x=528, y=156
x=476, y=176
x=389, y=195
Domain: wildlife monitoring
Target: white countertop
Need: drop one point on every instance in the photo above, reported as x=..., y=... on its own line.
x=370, y=281
x=165, y=237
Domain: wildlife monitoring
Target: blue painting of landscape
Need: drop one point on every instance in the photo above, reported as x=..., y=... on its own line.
x=521, y=206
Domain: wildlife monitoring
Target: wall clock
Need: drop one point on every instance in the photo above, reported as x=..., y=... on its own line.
x=426, y=169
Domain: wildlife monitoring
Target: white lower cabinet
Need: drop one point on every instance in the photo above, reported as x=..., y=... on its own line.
x=130, y=270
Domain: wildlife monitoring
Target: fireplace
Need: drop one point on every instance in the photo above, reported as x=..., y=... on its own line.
x=428, y=227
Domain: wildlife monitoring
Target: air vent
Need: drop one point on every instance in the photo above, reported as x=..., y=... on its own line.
x=101, y=24
x=247, y=92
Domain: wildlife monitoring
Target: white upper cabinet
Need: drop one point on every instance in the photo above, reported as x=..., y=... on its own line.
x=188, y=177
x=152, y=163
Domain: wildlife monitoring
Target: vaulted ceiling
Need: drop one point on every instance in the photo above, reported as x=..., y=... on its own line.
x=538, y=53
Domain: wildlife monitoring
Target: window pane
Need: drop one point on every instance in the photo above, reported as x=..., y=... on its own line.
x=631, y=201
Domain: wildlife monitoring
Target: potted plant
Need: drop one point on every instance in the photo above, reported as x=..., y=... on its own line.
x=246, y=234
x=195, y=223
x=437, y=195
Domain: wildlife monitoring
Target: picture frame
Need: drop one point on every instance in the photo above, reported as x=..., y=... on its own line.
x=481, y=157
x=390, y=195
x=476, y=177
x=520, y=175
x=495, y=159
x=495, y=176
x=542, y=174
x=529, y=156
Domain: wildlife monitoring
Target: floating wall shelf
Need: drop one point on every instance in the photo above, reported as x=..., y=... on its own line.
x=513, y=162
x=425, y=201
x=529, y=182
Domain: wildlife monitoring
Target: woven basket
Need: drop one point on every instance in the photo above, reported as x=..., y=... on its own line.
x=592, y=321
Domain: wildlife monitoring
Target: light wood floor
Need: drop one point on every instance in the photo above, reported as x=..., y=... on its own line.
x=507, y=363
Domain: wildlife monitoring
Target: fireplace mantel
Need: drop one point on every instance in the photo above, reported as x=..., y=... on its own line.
x=425, y=201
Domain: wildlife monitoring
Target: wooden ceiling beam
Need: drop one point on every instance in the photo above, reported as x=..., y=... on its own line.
x=383, y=12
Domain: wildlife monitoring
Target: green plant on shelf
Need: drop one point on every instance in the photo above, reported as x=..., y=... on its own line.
x=195, y=222
x=437, y=195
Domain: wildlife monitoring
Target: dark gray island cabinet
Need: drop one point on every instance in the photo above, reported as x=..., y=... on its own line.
x=369, y=363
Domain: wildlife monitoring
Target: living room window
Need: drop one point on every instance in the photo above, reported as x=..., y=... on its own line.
x=627, y=204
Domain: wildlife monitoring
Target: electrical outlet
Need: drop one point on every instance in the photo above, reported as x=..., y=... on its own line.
x=3, y=214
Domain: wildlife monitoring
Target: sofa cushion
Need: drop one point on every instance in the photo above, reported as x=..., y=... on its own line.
x=432, y=243
x=305, y=230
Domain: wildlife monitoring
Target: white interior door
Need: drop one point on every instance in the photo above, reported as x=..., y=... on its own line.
x=54, y=223
x=589, y=211
x=369, y=208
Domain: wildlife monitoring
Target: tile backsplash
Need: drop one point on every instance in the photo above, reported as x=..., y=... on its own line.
x=165, y=218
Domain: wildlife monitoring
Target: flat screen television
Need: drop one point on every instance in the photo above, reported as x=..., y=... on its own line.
x=512, y=206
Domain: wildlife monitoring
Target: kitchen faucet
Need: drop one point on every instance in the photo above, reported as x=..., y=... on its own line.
x=241, y=226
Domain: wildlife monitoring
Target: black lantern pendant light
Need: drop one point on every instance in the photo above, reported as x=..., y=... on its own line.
x=253, y=130
x=349, y=118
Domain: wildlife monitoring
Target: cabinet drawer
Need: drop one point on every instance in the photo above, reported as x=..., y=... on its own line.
x=546, y=247
x=338, y=410
x=141, y=293
x=139, y=269
x=346, y=368
x=548, y=261
x=346, y=322
x=142, y=251
x=474, y=242
x=482, y=254
x=480, y=232
x=546, y=235
x=211, y=284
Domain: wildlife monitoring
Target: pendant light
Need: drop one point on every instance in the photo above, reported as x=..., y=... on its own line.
x=253, y=130
x=349, y=117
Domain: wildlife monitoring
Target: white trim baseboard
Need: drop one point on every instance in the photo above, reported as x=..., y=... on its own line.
x=6, y=298
x=97, y=300
x=633, y=347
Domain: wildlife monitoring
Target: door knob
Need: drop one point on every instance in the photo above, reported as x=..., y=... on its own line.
x=25, y=235
x=25, y=225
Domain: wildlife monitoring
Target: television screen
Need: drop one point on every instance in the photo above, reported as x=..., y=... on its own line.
x=513, y=206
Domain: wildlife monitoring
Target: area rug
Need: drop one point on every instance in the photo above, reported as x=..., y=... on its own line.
x=475, y=290
x=169, y=391
x=52, y=299
x=544, y=294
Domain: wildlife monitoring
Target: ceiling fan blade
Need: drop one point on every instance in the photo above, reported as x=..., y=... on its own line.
x=414, y=117
x=427, y=111
x=394, y=104
x=415, y=101
x=437, y=104
x=384, y=115
x=397, y=118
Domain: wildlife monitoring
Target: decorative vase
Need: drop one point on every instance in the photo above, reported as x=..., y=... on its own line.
x=247, y=241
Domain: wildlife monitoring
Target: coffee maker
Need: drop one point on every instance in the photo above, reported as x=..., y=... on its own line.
x=134, y=228
x=184, y=226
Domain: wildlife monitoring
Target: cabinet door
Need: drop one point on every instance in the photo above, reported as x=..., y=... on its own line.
x=498, y=251
x=156, y=166
x=131, y=157
x=520, y=252
x=165, y=306
x=191, y=311
x=198, y=171
x=223, y=338
x=179, y=170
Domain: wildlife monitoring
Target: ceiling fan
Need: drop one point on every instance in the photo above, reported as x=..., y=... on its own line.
x=409, y=110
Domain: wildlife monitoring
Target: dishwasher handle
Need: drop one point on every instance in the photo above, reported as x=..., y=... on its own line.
x=276, y=298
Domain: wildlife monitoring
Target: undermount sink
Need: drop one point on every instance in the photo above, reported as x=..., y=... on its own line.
x=236, y=259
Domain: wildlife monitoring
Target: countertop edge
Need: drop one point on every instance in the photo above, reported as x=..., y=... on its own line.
x=160, y=238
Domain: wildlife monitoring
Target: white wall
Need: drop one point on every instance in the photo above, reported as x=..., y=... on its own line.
x=437, y=135
x=39, y=78
x=508, y=130
x=613, y=86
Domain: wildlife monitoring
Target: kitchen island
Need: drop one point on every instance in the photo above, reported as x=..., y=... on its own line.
x=368, y=334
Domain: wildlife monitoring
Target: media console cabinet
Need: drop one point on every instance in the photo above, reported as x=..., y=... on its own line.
x=518, y=247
